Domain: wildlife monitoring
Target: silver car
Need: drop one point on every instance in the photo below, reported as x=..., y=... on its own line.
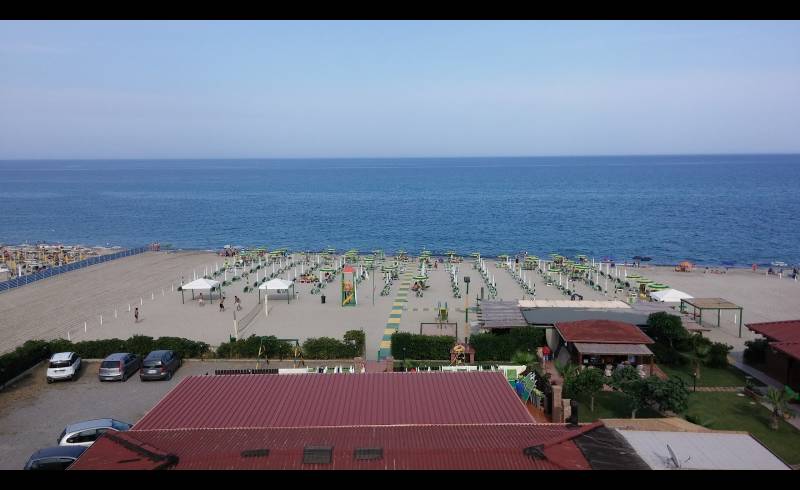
x=119, y=366
x=86, y=432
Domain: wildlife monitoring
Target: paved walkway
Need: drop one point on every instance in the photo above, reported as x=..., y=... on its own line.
x=399, y=304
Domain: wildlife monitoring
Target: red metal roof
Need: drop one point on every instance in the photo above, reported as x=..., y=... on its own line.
x=404, y=447
x=785, y=335
x=602, y=332
x=786, y=331
x=324, y=400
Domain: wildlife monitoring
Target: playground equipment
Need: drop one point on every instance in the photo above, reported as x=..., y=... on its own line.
x=349, y=291
x=297, y=352
x=441, y=312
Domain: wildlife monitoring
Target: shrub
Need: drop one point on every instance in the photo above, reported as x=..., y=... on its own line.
x=428, y=347
x=22, y=358
x=358, y=339
x=269, y=347
x=718, y=355
x=667, y=355
x=755, y=351
x=501, y=347
x=666, y=328
x=328, y=348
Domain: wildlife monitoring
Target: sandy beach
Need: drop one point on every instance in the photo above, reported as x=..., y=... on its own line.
x=52, y=307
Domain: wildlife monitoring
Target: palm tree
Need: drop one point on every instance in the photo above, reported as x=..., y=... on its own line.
x=779, y=405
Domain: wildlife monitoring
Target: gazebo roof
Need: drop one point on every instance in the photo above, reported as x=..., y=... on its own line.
x=201, y=283
x=712, y=304
x=276, y=283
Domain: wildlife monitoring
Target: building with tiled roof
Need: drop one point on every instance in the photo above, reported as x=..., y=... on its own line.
x=782, y=360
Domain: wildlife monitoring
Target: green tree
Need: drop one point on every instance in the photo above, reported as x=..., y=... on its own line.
x=779, y=404
x=588, y=382
x=526, y=359
x=664, y=327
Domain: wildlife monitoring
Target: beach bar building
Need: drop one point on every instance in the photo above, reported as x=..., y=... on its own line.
x=782, y=359
x=603, y=343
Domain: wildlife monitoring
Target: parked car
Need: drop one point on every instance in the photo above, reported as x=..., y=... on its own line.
x=159, y=364
x=54, y=458
x=86, y=432
x=64, y=365
x=119, y=366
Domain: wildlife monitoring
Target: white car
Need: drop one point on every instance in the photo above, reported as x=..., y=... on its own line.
x=86, y=432
x=64, y=365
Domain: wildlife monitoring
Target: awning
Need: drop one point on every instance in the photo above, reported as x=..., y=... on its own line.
x=613, y=349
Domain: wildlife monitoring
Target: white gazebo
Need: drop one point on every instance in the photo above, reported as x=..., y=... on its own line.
x=201, y=284
x=670, y=296
x=276, y=284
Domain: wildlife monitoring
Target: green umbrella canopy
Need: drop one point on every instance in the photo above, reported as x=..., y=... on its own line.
x=330, y=250
x=450, y=252
x=326, y=269
x=581, y=257
x=532, y=258
x=634, y=276
x=503, y=256
x=643, y=280
x=401, y=251
x=420, y=277
x=476, y=254
x=553, y=269
x=657, y=285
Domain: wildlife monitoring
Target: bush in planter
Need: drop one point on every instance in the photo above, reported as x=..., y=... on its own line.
x=271, y=347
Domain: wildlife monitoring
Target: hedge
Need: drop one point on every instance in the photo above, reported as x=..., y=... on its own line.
x=502, y=347
x=249, y=348
x=430, y=347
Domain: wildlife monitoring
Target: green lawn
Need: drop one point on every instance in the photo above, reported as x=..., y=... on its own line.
x=609, y=405
x=728, y=411
x=729, y=376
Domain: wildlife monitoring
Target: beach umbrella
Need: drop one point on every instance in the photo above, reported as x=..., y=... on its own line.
x=475, y=254
x=420, y=277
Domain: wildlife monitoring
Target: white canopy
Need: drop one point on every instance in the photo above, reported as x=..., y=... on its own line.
x=201, y=283
x=276, y=283
x=670, y=296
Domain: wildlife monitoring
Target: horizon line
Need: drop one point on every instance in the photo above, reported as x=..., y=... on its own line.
x=401, y=157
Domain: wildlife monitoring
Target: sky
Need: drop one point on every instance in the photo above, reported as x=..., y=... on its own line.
x=341, y=89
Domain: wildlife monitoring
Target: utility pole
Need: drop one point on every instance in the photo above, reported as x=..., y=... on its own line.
x=466, y=309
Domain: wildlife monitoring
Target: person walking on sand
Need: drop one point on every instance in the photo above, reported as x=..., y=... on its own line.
x=136, y=315
x=238, y=303
x=222, y=304
x=200, y=301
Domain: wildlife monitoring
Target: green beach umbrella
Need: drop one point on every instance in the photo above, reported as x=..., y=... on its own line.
x=420, y=277
x=476, y=254
x=327, y=269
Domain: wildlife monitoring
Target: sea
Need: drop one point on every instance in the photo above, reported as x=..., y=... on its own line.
x=731, y=210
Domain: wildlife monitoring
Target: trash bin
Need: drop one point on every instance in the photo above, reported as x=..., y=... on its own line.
x=323, y=299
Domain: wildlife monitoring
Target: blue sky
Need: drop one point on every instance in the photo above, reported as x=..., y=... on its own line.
x=397, y=89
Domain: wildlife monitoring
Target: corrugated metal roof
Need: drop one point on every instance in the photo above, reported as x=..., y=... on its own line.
x=785, y=334
x=551, y=316
x=501, y=314
x=613, y=349
x=404, y=447
x=602, y=332
x=786, y=331
x=701, y=450
x=565, y=303
x=792, y=349
x=323, y=400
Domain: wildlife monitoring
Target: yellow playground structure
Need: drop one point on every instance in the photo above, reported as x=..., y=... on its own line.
x=349, y=291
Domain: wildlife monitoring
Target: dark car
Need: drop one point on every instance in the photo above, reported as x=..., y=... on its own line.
x=119, y=366
x=54, y=458
x=160, y=364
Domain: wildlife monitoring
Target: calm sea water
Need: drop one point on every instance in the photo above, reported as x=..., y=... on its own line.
x=710, y=209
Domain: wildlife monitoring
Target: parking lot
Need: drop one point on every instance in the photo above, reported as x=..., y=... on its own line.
x=33, y=413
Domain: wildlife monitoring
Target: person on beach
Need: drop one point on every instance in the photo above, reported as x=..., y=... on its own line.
x=200, y=301
x=136, y=315
x=238, y=303
x=222, y=303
